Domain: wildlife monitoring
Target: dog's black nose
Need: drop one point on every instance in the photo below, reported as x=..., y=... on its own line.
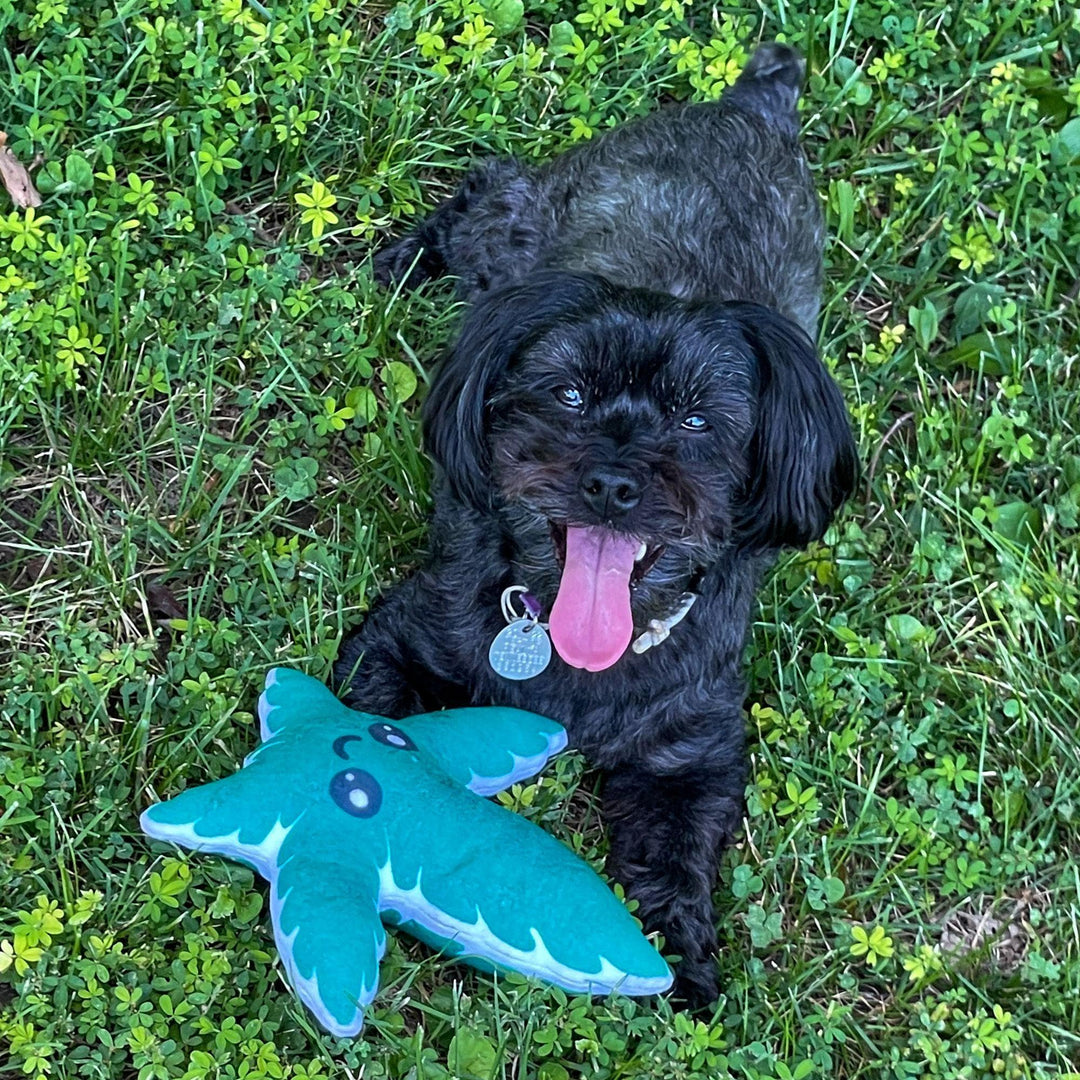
x=610, y=491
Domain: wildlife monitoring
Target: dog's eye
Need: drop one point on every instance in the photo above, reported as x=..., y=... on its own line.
x=696, y=423
x=569, y=396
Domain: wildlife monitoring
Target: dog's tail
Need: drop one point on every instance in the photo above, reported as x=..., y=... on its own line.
x=769, y=85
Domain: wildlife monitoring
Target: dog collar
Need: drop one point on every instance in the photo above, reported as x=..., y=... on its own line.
x=659, y=630
x=522, y=649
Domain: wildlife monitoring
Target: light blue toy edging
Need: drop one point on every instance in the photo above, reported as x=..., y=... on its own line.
x=474, y=940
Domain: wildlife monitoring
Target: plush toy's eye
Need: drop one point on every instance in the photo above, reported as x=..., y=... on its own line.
x=389, y=735
x=357, y=792
x=695, y=423
x=343, y=741
x=570, y=396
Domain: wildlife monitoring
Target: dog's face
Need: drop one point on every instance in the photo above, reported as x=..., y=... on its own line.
x=618, y=446
x=624, y=441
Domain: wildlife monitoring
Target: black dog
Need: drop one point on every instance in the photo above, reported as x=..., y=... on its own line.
x=633, y=416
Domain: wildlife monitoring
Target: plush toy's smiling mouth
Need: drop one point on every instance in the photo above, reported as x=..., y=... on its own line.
x=591, y=622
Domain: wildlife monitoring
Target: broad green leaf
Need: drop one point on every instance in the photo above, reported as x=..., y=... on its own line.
x=861, y=93
x=504, y=15
x=906, y=629
x=973, y=305
x=552, y=1070
x=842, y=198
x=993, y=355
x=400, y=380
x=1065, y=149
x=250, y=905
x=78, y=173
x=365, y=404
x=1018, y=522
x=560, y=37
x=471, y=1055
x=924, y=321
x=843, y=67
x=764, y=929
x=1053, y=104
x=50, y=179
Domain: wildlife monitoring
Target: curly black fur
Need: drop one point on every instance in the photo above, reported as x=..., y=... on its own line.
x=670, y=268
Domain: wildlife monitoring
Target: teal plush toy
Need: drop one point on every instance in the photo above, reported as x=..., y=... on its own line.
x=356, y=821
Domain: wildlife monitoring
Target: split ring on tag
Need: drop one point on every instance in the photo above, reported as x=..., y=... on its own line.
x=522, y=649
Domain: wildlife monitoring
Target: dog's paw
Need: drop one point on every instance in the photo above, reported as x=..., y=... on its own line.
x=406, y=262
x=392, y=263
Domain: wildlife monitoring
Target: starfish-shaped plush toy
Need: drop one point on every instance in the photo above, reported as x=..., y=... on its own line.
x=356, y=821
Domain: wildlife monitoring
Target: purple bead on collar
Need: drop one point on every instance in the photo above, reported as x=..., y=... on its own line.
x=531, y=604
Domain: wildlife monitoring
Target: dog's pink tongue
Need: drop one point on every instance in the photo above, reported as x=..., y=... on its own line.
x=591, y=624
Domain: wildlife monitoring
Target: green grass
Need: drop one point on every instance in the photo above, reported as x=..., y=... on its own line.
x=181, y=507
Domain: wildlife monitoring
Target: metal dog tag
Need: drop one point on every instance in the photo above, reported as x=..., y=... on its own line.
x=520, y=650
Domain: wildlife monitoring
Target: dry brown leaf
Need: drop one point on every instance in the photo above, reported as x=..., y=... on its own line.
x=162, y=601
x=15, y=177
x=984, y=924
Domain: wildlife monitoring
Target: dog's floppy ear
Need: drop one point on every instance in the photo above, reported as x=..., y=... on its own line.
x=802, y=456
x=495, y=328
